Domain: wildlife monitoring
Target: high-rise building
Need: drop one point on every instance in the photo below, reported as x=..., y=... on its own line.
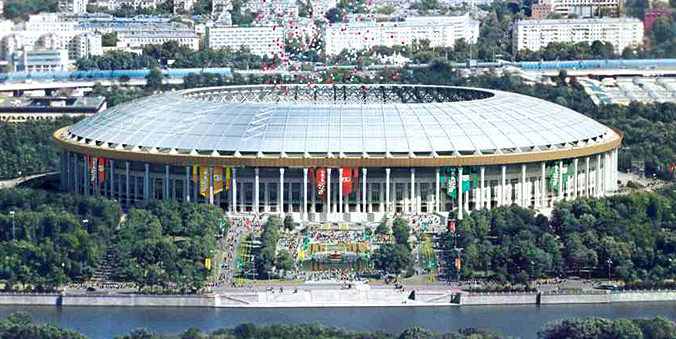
x=260, y=40
x=152, y=36
x=85, y=45
x=439, y=31
x=536, y=34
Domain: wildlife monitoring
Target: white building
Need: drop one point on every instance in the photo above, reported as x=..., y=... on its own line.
x=85, y=45
x=40, y=60
x=620, y=32
x=440, y=31
x=584, y=8
x=113, y=5
x=143, y=37
x=50, y=31
x=50, y=22
x=261, y=40
x=72, y=6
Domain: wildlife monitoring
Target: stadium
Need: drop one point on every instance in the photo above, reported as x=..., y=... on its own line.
x=341, y=153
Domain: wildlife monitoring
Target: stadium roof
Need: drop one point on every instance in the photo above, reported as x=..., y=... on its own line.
x=338, y=121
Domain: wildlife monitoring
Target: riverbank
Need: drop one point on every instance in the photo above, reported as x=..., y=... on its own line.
x=365, y=297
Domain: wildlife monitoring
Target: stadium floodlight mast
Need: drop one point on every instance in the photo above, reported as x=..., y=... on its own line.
x=13, y=226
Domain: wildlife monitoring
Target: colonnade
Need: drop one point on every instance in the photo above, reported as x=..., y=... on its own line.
x=378, y=191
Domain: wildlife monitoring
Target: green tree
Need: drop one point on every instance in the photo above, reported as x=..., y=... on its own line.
x=392, y=258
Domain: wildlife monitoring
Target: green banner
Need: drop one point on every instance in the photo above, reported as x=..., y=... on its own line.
x=566, y=173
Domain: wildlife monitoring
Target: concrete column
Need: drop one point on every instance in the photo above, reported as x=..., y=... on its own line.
x=576, y=187
x=186, y=185
x=340, y=190
x=489, y=197
x=363, y=189
x=280, y=195
x=387, y=190
x=587, y=179
x=146, y=181
x=126, y=182
x=503, y=186
x=242, y=203
x=290, y=197
x=97, y=184
x=165, y=194
x=482, y=188
x=314, y=197
x=543, y=185
x=460, y=193
x=266, y=197
x=305, y=193
x=111, y=176
x=85, y=175
x=608, y=177
x=211, y=186
x=257, y=193
x=233, y=173
x=328, y=206
x=413, y=197
x=598, y=176
x=369, y=196
x=63, y=168
x=524, y=186
x=437, y=183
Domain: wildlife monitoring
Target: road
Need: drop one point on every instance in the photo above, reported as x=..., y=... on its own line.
x=12, y=183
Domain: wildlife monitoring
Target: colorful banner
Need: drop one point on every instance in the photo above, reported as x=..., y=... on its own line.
x=205, y=181
x=321, y=182
x=92, y=169
x=227, y=178
x=218, y=180
x=194, y=173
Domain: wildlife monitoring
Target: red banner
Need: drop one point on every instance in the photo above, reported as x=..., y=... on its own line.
x=102, y=170
x=321, y=182
x=672, y=168
x=346, y=181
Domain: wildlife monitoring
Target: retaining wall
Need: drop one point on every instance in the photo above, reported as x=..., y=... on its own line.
x=498, y=299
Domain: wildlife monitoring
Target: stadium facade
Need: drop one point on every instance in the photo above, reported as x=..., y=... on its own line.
x=341, y=152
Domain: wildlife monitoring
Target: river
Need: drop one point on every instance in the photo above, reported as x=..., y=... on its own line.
x=516, y=321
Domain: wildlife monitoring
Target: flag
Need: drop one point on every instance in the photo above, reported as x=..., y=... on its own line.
x=458, y=263
x=194, y=173
x=321, y=182
x=205, y=181
x=346, y=181
x=227, y=178
x=218, y=179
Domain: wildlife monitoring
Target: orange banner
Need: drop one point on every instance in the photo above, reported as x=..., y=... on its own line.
x=218, y=180
x=205, y=181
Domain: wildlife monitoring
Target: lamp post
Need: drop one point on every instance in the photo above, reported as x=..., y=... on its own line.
x=609, y=262
x=13, y=226
x=86, y=224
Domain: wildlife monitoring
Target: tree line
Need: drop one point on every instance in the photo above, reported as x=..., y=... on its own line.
x=164, y=244
x=60, y=238
x=28, y=148
x=628, y=237
x=20, y=325
x=52, y=238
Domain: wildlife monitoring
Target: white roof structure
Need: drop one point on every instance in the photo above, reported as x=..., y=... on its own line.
x=336, y=121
